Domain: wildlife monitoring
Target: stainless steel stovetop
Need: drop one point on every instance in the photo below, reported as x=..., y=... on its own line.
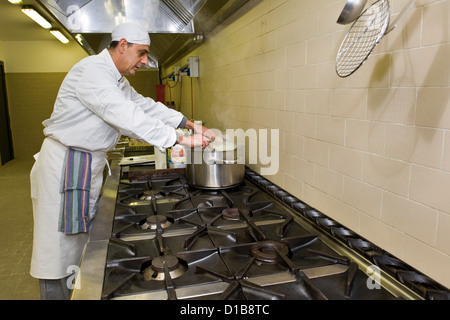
x=168, y=240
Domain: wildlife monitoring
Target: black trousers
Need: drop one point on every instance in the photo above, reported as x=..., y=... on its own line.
x=54, y=289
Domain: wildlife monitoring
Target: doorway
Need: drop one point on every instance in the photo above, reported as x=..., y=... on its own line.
x=6, y=147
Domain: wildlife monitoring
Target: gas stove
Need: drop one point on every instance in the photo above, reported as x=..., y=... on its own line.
x=254, y=241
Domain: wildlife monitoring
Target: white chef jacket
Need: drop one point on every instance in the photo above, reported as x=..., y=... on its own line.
x=94, y=106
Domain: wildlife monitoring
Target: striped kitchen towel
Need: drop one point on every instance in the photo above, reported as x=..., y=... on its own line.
x=75, y=187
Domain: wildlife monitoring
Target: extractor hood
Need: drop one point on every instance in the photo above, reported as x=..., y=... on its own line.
x=175, y=26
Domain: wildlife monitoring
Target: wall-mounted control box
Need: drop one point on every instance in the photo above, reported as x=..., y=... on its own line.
x=193, y=67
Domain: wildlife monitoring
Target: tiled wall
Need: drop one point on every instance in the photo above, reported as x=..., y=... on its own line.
x=31, y=97
x=372, y=150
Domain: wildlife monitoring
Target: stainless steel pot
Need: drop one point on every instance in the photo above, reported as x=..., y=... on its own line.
x=210, y=168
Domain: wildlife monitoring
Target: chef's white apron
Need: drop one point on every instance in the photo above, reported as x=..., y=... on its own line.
x=54, y=253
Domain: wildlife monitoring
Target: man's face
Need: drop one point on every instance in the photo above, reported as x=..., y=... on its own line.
x=133, y=57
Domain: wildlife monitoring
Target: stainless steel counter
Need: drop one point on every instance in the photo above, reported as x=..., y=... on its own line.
x=91, y=273
x=89, y=278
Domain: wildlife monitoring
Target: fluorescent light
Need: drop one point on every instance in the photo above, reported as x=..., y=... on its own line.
x=59, y=35
x=84, y=44
x=15, y=1
x=79, y=38
x=33, y=14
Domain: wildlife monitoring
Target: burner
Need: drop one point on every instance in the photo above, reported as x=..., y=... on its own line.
x=264, y=251
x=170, y=261
x=230, y=214
x=152, y=222
x=146, y=195
x=155, y=271
x=206, y=204
x=160, y=195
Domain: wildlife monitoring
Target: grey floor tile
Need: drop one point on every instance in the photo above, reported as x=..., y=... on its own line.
x=17, y=232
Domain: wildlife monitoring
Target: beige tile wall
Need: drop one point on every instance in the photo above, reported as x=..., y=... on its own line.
x=30, y=99
x=371, y=150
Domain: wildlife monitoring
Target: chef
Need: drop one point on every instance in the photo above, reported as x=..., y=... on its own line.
x=95, y=105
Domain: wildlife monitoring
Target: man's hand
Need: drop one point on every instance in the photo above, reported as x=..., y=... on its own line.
x=201, y=130
x=196, y=140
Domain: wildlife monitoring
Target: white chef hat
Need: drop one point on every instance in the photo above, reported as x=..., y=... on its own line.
x=131, y=32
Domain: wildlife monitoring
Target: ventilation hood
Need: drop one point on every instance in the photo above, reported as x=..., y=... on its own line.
x=175, y=26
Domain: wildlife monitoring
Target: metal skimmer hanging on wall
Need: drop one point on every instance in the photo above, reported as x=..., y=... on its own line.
x=364, y=35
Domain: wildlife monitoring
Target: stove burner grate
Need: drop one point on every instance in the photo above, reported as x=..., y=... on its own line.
x=155, y=222
x=266, y=251
x=231, y=214
x=155, y=269
x=170, y=261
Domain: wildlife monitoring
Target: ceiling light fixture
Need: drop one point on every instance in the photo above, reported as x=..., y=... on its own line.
x=84, y=44
x=15, y=1
x=33, y=14
x=59, y=35
x=79, y=38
